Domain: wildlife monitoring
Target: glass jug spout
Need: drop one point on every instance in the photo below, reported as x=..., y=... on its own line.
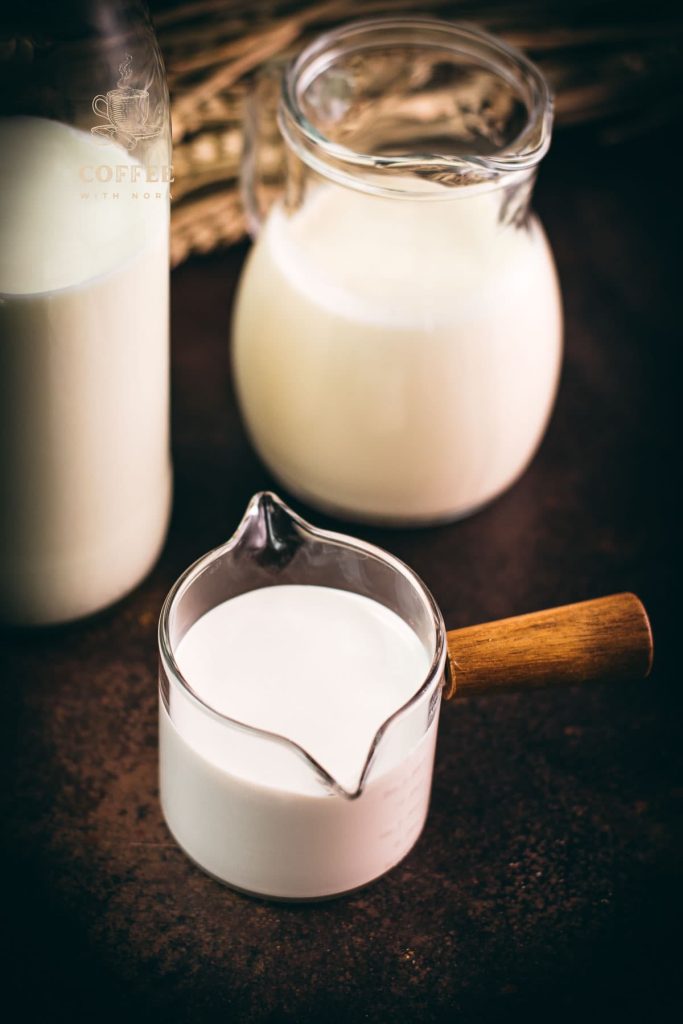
x=273, y=546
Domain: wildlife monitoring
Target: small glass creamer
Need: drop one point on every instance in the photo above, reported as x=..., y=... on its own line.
x=398, y=330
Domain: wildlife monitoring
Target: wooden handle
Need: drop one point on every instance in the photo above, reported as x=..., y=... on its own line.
x=608, y=638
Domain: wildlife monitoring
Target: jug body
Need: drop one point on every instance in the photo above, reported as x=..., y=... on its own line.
x=85, y=172
x=397, y=333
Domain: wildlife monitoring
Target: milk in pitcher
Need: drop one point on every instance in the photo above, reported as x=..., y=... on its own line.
x=397, y=360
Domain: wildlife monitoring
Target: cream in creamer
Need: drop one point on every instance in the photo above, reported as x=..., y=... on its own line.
x=325, y=669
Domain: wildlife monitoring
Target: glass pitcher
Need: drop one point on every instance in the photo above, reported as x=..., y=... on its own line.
x=85, y=472
x=265, y=803
x=398, y=331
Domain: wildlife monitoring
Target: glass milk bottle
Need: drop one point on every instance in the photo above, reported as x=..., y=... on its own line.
x=85, y=473
x=397, y=335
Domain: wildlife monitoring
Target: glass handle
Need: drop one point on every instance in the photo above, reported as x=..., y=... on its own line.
x=263, y=174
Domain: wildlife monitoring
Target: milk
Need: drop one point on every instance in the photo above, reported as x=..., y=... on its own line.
x=324, y=668
x=397, y=359
x=85, y=472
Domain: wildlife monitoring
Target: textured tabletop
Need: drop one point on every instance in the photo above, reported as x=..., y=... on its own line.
x=545, y=885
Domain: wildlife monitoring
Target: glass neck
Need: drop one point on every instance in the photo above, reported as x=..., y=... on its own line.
x=414, y=108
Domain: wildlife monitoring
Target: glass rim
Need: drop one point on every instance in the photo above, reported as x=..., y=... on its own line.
x=344, y=165
x=190, y=576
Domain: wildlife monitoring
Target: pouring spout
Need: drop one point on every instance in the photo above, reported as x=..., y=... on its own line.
x=269, y=531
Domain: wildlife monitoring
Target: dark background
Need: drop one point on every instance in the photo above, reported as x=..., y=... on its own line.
x=546, y=885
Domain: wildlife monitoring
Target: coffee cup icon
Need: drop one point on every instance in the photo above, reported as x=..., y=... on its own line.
x=126, y=112
x=126, y=109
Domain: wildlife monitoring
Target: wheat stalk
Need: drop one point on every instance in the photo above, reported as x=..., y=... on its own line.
x=622, y=75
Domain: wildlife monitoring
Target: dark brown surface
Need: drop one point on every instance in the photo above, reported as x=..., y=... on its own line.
x=545, y=886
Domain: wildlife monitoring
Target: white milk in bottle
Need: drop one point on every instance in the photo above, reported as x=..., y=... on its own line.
x=85, y=475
